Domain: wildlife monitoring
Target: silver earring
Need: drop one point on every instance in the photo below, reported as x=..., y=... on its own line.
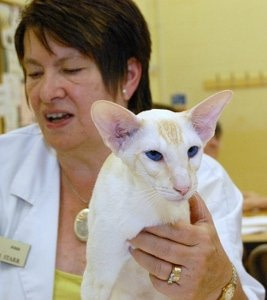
x=124, y=91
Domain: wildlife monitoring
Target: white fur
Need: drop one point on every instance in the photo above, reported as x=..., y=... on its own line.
x=133, y=192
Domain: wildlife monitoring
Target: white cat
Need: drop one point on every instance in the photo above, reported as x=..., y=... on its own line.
x=146, y=181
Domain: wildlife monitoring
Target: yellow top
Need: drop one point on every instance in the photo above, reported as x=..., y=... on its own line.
x=67, y=286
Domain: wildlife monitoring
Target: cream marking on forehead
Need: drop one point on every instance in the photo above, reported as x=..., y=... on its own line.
x=170, y=131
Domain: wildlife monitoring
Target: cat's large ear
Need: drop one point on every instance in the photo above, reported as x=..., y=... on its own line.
x=205, y=115
x=115, y=123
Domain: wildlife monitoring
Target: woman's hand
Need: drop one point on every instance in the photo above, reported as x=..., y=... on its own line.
x=194, y=247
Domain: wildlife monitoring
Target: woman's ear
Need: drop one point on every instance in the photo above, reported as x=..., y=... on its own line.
x=132, y=79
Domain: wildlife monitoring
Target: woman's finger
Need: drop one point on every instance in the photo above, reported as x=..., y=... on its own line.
x=182, y=233
x=163, y=248
x=157, y=267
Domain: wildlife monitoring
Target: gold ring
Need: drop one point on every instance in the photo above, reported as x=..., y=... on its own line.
x=175, y=275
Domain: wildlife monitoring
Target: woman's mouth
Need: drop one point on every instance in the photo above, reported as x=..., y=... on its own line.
x=57, y=117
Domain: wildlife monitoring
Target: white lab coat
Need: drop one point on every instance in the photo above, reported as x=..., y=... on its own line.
x=29, y=208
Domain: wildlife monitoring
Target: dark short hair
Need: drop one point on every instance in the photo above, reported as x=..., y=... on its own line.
x=108, y=31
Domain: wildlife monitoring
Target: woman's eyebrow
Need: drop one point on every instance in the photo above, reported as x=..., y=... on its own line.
x=30, y=61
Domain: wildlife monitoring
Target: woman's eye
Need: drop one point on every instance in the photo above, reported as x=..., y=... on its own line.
x=192, y=151
x=154, y=155
x=72, y=71
x=34, y=75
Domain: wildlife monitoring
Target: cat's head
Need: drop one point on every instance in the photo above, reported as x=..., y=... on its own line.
x=161, y=146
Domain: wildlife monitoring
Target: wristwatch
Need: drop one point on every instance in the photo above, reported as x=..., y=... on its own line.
x=229, y=290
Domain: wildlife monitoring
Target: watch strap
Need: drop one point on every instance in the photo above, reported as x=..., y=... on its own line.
x=231, y=284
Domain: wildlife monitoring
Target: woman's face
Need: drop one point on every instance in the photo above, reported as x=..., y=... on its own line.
x=61, y=87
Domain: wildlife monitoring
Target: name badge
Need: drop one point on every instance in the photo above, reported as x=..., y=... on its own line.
x=13, y=252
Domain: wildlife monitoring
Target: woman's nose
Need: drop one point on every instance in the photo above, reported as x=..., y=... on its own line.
x=51, y=88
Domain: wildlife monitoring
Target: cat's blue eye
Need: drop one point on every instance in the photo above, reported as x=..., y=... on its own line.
x=192, y=151
x=154, y=155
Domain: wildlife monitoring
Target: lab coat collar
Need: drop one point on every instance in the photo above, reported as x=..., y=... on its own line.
x=36, y=174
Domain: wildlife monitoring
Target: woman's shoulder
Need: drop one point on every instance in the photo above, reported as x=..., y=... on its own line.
x=24, y=153
x=20, y=139
x=23, y=132
x=17, y=145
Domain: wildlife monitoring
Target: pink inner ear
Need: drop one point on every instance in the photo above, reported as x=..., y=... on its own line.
x=121, y=135
x=205, y=115
x=204, y=130
x=204, y=118
x=115, y=123
x=120, y=132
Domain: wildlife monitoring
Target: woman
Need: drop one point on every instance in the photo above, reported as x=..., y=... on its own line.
x=74, y=53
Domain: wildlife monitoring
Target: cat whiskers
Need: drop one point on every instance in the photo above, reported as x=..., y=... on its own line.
x=171, y=194
x=165, y=190
x=149, y=195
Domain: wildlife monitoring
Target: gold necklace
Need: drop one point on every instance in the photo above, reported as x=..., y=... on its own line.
x=70, y=185
x=80, y=225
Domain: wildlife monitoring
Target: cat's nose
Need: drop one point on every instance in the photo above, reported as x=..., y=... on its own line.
x=182, y=190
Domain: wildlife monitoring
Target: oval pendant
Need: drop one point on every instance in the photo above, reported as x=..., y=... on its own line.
x=81, y=226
